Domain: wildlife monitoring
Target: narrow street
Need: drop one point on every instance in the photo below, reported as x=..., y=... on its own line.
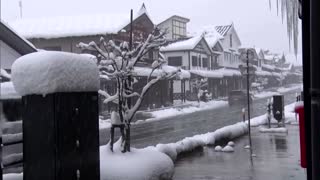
x=176, y=128
x=277, y=158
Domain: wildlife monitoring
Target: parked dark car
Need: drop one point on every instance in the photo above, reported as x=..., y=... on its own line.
x=238, y=97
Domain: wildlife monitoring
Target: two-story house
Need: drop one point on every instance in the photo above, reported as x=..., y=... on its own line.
x=194, y=55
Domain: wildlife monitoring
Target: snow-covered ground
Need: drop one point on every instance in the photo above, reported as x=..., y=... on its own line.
x=174, y=111
x=139, y=164
x=195, y=107
x=280, y=90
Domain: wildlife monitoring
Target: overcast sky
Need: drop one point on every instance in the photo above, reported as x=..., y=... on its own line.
x=256, y=24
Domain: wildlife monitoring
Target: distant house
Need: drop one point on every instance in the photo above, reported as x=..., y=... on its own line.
x=231, y=43
x=193, y=54
x=12, y=47
x=176, y=27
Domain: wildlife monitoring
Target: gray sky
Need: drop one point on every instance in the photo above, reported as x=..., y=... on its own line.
x=256, y=24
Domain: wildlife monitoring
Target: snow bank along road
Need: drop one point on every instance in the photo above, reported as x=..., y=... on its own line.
x=173, y=129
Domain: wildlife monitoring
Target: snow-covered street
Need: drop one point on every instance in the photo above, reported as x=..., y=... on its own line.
x=172, y=129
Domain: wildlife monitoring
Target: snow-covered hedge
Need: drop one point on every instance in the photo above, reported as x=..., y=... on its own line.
x=48, y=72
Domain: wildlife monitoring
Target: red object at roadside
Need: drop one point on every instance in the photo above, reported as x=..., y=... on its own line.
x=300, y=110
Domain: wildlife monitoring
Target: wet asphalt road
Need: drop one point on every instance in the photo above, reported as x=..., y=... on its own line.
x=277, y=158
x=176, y=128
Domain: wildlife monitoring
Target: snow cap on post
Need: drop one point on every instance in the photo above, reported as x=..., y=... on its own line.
x=48, y=72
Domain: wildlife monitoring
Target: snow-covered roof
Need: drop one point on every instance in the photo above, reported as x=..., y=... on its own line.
x=188, y=44
x=145, y=72
x=268, y=67
x=15, y=40
x=68, y=26
x=7, y=91
x=263, y=73
x=207, y=74
x=229, y=72
x=223, y=30
x=269, y=57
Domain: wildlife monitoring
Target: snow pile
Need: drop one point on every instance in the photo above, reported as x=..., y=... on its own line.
x=229, y=72
x=190, y=143
x=48, y=72
x=138, y=164
x=273, y=130
x=7, y=91
x=227, y=149
x=231, y=143
x=188, y=44
x=180, y=111
x=265, y=94
x=218, y=148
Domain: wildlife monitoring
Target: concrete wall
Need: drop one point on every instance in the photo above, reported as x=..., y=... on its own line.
x=8, y=55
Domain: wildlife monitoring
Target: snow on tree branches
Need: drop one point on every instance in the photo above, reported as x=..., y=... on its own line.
x=119, y=63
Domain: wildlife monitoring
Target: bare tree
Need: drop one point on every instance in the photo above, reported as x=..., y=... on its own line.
x=117, y=62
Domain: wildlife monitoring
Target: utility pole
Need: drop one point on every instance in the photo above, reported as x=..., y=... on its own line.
x=129, y=79
x=20, y=6
x=248, y=98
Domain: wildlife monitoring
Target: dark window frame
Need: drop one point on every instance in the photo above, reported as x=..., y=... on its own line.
x=175, y=61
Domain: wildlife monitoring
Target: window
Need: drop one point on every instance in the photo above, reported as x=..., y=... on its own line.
x=194, y=61
x=205, y=62
x=175, y=61
x=179, y=29
x=53, y=48
x=230, y=40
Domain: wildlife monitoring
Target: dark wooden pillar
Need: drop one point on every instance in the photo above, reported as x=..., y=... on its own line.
x=61, y=136
x=1, y=145
x=171, y=91
x=181, y=90
x=184, y=90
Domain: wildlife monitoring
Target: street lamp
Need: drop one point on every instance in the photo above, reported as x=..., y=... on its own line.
x=246, y=56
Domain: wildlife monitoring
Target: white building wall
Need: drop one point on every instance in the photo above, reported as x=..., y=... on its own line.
x=167, y=26
x=8, y=55
x=201, y=65
x=224, y=61
x=184, y=54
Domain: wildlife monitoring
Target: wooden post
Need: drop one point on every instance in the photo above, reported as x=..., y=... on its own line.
x=1, y=145
x=61, y=136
